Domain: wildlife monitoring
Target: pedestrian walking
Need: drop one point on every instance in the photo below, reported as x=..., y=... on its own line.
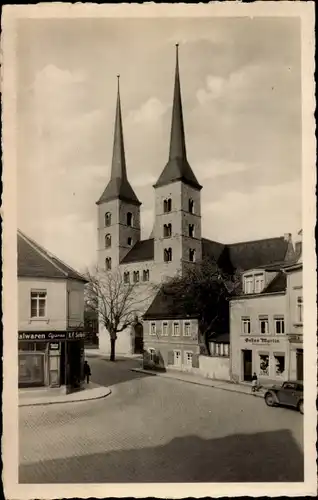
x=254, y=382
x=87, y=371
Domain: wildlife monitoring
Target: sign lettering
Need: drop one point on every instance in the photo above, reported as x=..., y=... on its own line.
x=261, y=340
x=51, y=335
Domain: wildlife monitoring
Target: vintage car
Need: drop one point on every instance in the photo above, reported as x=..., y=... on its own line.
x=288, y=394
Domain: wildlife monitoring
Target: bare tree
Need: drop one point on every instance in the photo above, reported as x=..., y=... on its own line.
x=115, y=300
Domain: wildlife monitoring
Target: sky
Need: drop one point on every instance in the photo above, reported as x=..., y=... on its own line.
x=241, y=91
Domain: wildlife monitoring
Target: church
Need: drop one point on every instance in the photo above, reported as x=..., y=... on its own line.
x=176, y=241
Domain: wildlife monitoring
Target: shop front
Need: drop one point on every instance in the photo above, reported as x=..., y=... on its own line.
x=296, y=366
x=51, y=359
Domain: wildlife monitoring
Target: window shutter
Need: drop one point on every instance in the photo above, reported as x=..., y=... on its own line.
x=170, y=358
x=195, y=361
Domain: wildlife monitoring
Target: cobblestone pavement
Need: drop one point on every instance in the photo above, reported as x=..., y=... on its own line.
x=152, y=429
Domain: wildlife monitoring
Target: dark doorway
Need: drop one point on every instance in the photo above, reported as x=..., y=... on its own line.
x=299, y=364
x=138, y=338
x=75, y=361
x=247, y=365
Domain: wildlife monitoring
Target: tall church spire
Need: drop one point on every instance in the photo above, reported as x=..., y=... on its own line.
x=177, y=168
x=118, y=186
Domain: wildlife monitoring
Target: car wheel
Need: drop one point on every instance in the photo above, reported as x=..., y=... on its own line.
x=301, y=407
x=269, y=399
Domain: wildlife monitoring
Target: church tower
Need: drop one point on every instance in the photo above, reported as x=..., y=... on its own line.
x=177, y=228
x=118, y=206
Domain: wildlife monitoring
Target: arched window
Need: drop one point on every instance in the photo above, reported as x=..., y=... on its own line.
x=191, y=255
x=167, y=205
x=108, y=263
x=126, y=277
x=167, y=255
x=167, y=230
x=191, y=230
x=136, y=276
x=145, y=275
x=129, y=219
x=108, y=219
x=129, y=241
x=191, y=206
x=108, y=241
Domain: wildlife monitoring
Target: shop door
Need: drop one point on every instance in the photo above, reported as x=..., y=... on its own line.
x=247, y=365
x=299, y=364
x=139, y=339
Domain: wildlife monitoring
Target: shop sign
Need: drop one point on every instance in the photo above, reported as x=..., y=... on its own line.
x=261, y=340
x=295, y=338
x=51, y=335
x=54, y=346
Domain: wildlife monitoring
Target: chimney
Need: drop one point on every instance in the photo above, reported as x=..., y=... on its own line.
x=288, y=237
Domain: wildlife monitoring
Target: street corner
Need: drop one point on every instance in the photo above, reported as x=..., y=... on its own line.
x=87, y=394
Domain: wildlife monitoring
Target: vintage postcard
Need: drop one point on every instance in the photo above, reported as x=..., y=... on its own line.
x=158, y=250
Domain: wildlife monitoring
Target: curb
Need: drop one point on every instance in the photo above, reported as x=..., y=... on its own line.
x=195, y=382
x=106, y=393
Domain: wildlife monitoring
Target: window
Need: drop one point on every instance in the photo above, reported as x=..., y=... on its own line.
x=129, y=219
x=246, y=326
x=108, y=241
x=38, y=304
x=248, y=284
x=191, y=206
x=226, y=350
x=299, y=309
x=167, y=230
x=187, y=329
x=259, y=283
x=176, y=329
x=188, y=358
x=279, y=326
x=136, y=276
x=167, y=205
x=129, y=241
x=191, y=255
x=152, y=354
x=108, y=219
x=264, y=364
x=279, y=364
x=263, y=325
x=108, y=263
x=145, y=275
x=167, y=255
x=177, y=358
x=126, y=277
x=153, y=328
x=219, y=349
x=191, y=230
x=165, y=329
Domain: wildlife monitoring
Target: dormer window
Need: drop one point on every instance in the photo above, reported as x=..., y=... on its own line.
x=108, y=263
x=259, y=283
x=129, y=219
x=167, y=230
x=191, y=206
x=108, y=219
x=248, y=284
x=129, y=241
x=167, y=255
x=191, y=255
x=108, y=241
x=167, y=204
x=253, y=282
x=191, y=230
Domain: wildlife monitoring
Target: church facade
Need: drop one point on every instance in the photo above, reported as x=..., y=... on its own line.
x=176, y=240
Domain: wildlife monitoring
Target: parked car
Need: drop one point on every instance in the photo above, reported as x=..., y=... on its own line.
x=288, y=394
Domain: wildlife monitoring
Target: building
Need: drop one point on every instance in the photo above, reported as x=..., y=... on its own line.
x=51, y=318
x=176, y=241
x=266, y=324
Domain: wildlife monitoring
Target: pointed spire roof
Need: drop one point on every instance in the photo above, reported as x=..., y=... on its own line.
x=177, y=168
x=118, y=186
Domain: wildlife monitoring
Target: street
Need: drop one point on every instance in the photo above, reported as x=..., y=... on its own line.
x=152, y=429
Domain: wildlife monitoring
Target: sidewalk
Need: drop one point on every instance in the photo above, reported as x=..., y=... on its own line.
x=47, y=396
x=196, y=379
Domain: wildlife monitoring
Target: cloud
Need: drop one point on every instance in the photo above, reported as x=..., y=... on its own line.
x=150, y=111
x=217, y=167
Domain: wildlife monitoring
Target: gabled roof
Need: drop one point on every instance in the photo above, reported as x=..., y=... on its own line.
x=34, y=261
x=141, y=251
x=278, y=284
x=164, y=307
x=251, y=254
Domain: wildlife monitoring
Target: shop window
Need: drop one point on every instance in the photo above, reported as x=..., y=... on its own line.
x=246, y=326
x=176, y=329
x=263, y=326
x=31, y=369
x=167, y=230
x=108, y=241
x=108, y=219
x=167, y=205
x=38, y=304
x=153, y=328
x=165, y=329
x=279, y=326
x=191, y=206
x=279, y=364
x=167, y=255
x=129, y=219
x=126, y=277
x=191, y=255
x=136, y=276
x=299, y=309
x=191, y=230
x=145, y=275
x=108, y=263
x=264, y=365
x=188, y=358
x=187, y=329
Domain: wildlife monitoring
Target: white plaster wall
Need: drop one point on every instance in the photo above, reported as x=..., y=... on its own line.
x=217, y=368
x=75, y=291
